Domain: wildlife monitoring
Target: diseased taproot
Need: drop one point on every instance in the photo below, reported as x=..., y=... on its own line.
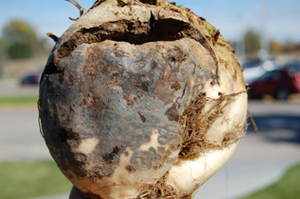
x=141, y=99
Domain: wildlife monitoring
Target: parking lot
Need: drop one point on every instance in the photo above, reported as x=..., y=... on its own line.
x=259, y=160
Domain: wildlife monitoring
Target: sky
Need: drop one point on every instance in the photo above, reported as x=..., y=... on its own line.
x=277, y=19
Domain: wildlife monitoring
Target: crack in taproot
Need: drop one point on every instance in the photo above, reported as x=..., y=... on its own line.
x=131, y=31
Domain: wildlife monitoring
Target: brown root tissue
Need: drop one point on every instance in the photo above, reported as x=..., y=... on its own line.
x=195, y=127
x=158, y=190
x=196, y=123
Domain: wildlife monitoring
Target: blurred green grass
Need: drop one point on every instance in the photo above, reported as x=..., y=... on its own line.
x=18, y=100
x=288, y=187
x=29, y=179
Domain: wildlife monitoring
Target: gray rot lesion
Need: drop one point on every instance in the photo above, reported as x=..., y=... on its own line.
x=110, y=157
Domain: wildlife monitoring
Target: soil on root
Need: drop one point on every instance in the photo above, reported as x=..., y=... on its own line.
x=158, y=190
x=196, y=122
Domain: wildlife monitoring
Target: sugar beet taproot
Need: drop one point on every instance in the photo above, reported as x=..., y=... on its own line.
x=141, y=99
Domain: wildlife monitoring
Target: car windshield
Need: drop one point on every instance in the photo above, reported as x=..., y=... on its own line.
x=292, y=68
x=251, y=64
x=297, y=67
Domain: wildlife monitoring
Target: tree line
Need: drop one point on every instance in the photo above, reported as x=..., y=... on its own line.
x=19, y=40
x=252, y=43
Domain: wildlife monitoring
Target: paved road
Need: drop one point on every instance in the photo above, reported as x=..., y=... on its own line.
x=259, y=160
x=20, y=137
x=9, y=87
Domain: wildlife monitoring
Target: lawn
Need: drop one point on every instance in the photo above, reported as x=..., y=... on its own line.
x=288, y=187
x=29, y=179
x=22, y=100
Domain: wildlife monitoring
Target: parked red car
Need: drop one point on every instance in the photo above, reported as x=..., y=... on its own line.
x=278, y=83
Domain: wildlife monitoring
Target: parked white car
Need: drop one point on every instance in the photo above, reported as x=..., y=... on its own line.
x=253, y=70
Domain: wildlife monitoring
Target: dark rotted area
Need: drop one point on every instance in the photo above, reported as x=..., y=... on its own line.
x=151, y=2
x=130, y=169
x=68, y=134
x=143, y=160
x=109, y=157
x=172, y=114
x=101, y=95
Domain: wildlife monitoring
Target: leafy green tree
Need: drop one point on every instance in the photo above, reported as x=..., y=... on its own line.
x=275, y=47
x=20, y=39
x=252, y=41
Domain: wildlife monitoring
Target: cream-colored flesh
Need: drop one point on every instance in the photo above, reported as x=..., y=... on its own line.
x=189, y=175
